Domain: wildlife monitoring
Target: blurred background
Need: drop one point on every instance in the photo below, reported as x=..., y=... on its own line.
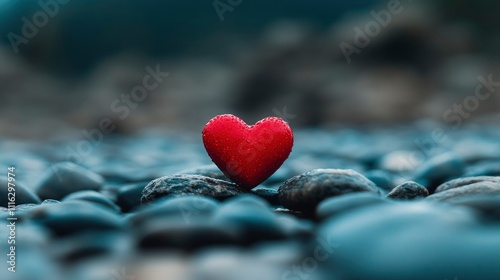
x=65, y=65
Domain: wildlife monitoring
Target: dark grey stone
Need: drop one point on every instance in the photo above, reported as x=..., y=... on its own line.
x=304, y=192
x=179, y=185
x=65, y=178
x=460, y=182
x=484, y=187
x=408, y=191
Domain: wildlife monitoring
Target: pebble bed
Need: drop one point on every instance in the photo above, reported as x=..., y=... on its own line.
x=378, y=203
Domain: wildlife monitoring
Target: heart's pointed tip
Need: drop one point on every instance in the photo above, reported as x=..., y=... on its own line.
x=246, y=188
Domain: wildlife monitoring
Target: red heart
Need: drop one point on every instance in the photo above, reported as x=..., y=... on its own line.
x=247, y=155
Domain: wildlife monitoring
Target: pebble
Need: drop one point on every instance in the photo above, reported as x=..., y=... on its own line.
x=92, y=196
x=187, y=208
x=178, y=185
x=65, y=178
x=460, y=182
x=408, y=191
x=304, y=192
x=249, y=219
x=438, y=170
x=484, y=187
x=21, y=195
x=75, y=216
x=337, y=205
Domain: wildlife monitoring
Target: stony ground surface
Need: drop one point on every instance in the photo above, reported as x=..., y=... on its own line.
x=385, y=203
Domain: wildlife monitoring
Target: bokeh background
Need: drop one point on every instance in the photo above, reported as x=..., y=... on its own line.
x=256, y=59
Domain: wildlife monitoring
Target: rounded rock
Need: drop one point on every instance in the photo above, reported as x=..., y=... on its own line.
x=75, y=216
x=249, y=219
x=460, y=182
x=485, y=188
x=187, y=208
x=304, y=192
x=179, y=185
x=65, y=178
x=408, y=190
x=92, y=196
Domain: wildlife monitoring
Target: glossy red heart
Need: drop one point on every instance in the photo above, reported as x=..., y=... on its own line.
x=247, y=155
